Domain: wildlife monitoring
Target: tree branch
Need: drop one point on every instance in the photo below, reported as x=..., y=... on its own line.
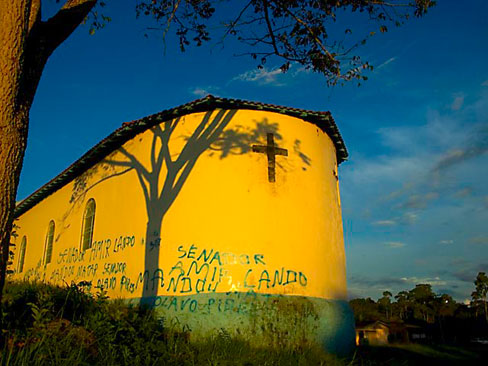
x=100, y=181
x=34, y=14
x=311, y=32
x=176, y=188
x=135, y=163
x=231, y=26
x=145, y=191
x=171, y=16
x=118, y=163
x=140, y=174
x=193, y=140
x=164, y=153
x=270, y=28
x=44, y=37
x=154, y=164
x=68, y=18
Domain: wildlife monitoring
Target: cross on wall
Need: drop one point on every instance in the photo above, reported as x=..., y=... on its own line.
x=271, y=150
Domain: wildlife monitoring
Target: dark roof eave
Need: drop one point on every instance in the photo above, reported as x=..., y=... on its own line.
x=128, y=130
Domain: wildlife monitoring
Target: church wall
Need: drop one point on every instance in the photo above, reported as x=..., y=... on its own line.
x=191, y=223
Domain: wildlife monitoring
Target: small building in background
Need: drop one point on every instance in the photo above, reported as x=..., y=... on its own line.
x=380, y=333
x=373, y=334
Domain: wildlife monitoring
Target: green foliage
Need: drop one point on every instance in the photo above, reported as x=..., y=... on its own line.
x=294, y=32
x=480, y=293
x=445, y=319
x=481, y=283
x=385, y=304
x=365, y=310
x=10, y=262
x=51, y=325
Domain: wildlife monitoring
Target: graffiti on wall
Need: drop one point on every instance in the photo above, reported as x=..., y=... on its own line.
x=195, y=270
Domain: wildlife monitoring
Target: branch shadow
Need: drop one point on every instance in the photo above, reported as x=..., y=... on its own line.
x=209, y=136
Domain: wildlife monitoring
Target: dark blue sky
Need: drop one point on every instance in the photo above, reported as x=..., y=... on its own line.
x=414, y=192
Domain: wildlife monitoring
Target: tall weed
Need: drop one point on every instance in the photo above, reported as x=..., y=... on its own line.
x=53, y=325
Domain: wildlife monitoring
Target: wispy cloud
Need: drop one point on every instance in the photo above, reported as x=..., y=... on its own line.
x=471, y=146
x=203, y=91
x=464, y=275
x=394, y=244
x=300, y=70
x=484, y=83
x=261, y=76
x=421, y=162
x=409, y=218
x=418, y=201
x=466, y=272
x=389, y=61
x=385, y=223
x=374, y=282
x=463, y=192
x=434, y=281
x=363, y=284
x=457, y=103
x=479, y=240
x=271, y=77
x=430, y=175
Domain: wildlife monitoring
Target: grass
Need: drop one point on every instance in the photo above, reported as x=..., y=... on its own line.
x=418, y=354
x=50, y=325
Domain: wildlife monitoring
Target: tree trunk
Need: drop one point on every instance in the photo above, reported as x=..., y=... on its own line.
x=152, y=250
x=13, y=141
x=26, y=43
x=486, y=309
x=14, y=115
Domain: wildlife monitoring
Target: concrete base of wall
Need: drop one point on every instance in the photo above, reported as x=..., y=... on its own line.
x=263, y=320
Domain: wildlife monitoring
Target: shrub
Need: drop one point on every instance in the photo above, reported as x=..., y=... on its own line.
x=52, y=325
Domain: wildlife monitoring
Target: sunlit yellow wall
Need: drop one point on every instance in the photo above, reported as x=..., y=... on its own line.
x=292, y=226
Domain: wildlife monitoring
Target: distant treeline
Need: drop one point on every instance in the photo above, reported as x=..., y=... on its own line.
x=439, y=314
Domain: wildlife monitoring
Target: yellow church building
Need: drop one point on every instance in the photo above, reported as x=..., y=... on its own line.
x=220, y=213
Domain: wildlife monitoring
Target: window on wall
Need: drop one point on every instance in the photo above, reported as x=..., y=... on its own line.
x=48, y=247
x=88, y=224
x=23, y=244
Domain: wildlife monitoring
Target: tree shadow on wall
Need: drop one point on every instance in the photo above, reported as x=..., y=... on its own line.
x=208, y=136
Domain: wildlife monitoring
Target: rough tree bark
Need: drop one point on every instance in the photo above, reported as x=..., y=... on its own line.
x=26, y=42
